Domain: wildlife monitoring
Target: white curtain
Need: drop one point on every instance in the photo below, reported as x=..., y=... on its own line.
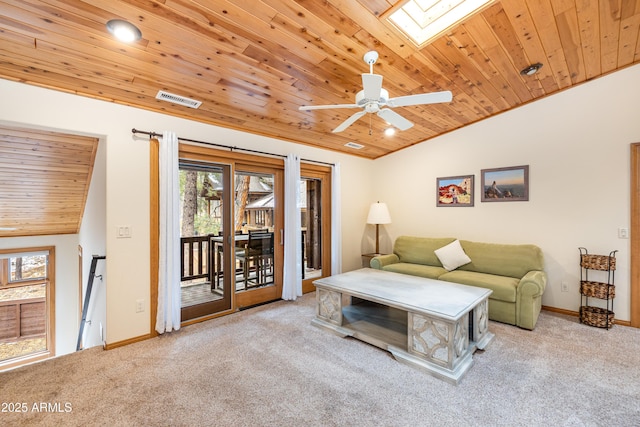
x=336, y=221
x=168, y=317
x=292, y=286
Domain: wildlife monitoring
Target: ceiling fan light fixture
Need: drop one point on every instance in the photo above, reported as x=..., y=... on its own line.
x=531, y=69
x=124, y=31
x=373, y=99
x=390, y=131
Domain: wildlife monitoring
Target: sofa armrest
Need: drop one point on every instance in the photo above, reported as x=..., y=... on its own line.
x=529, y=298
x=382, y=260
x=533, y=284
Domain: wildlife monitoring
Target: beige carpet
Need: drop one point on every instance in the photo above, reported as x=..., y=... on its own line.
x=269, y=366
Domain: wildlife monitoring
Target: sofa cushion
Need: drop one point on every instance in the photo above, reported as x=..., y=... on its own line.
x=427, y=271
x=419, y=250
x=452, y=256
x=503, y=287
x=502, y=259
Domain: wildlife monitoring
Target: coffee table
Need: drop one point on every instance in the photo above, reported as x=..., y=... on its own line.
x=433, y=325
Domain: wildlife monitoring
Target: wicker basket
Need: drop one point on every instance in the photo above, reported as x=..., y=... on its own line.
x=598, y=262
x=597, y=290
x=596, y=316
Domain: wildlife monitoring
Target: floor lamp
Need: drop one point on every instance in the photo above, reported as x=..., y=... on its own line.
x=378, y=214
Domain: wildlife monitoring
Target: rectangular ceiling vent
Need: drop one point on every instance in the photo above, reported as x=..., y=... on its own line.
x=177, y=99
x=354, y=145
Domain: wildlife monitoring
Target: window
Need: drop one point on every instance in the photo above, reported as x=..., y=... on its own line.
x=424, y=20
x=26, y=320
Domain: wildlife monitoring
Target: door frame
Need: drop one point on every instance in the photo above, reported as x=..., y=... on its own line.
x=322, y=173
x=634, y=291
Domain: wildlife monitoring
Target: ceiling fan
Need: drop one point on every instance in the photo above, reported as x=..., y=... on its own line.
x=374, y=99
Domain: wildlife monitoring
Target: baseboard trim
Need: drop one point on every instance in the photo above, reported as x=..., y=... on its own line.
x=576, y=314
x=122, y=343
x=561, y=311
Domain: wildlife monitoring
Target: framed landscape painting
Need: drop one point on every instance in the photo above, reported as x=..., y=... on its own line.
x=505, y=184
x=454, y=191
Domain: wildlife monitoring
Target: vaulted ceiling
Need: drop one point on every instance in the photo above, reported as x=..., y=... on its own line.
x=253, y=63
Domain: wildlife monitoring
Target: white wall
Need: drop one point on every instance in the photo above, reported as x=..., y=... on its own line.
x=127, y=189
x=577, y=145
x=92, y=239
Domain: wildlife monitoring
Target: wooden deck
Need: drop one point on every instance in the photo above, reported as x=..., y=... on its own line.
x=200, y=292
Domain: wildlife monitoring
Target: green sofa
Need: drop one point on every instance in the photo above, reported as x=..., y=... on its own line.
x=515, y=273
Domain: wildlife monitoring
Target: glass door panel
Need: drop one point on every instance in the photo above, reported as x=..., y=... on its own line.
x=315, y=215
x=205, y=283
x=311, y=221
x=257, y=235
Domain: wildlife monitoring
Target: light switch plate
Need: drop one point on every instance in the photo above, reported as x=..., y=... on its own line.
x=123, y=232
x=623, y=233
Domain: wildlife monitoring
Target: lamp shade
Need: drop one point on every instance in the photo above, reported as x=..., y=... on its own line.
x=379, y=214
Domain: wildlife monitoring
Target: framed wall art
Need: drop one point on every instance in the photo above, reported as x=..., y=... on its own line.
x=454, y=191
x=505, y=184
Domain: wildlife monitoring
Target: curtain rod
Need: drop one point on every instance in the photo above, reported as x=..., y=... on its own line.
x=228, y=147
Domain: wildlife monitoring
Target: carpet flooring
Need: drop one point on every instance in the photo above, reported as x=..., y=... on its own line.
x=268, y=366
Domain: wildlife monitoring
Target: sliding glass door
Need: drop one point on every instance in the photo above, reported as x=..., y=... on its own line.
x=232, y=224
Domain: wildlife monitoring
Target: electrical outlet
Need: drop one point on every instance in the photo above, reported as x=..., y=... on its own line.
x=139, y=306
x=564, y=287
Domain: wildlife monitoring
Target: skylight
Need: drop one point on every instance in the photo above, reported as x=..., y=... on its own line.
x=423, y=20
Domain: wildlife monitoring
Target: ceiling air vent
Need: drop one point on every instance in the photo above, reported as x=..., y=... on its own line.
x=354, y=145
x=177, y=99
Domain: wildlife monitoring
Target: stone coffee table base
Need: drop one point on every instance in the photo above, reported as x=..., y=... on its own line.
x=441, y=346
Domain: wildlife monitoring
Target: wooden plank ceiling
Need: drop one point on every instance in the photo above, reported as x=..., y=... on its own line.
x=44, y=181
x=253, y=63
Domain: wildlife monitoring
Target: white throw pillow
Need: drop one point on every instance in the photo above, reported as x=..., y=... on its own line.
x=452, y=256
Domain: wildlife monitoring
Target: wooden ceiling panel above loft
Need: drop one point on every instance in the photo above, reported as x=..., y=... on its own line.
x=44, y=181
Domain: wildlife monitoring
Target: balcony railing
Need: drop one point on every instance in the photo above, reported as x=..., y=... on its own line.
x=195, y=259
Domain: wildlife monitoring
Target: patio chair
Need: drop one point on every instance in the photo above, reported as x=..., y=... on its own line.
x=257, y=256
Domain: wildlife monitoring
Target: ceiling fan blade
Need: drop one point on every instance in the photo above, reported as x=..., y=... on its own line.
x=395, y=119
x=349, y=121
x=372, y=86
x=420, y=99
x=326, y=107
